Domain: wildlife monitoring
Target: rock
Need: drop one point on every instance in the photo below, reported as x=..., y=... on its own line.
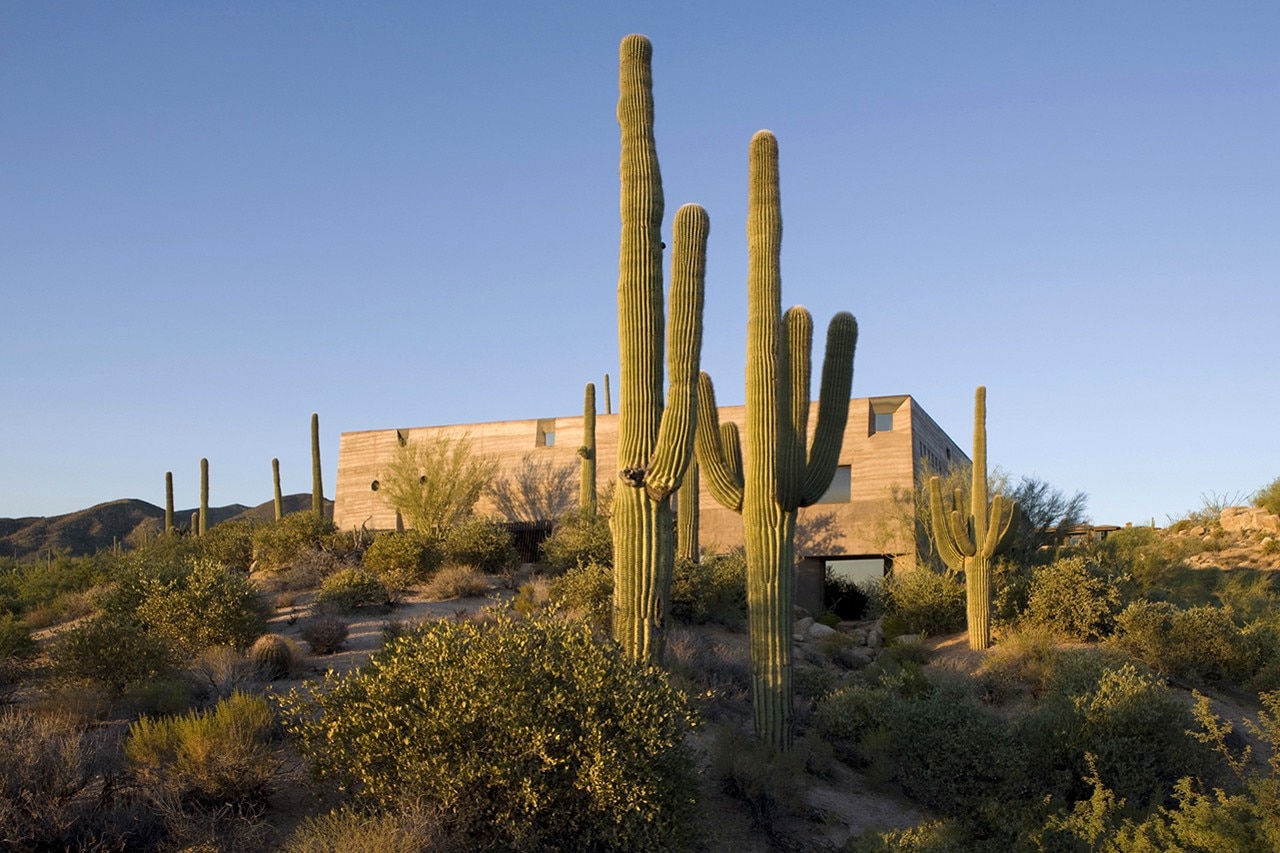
x=1245, y=518
x=854, y=657
x=817, y=630
x=875, y=637
x=803, y=625
x=905, y=639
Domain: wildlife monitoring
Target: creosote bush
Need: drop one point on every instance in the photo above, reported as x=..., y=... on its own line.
x=1075, y=598
x=402, y=560
x=578, y=539
x=590, y=757
x=922, y=602
x=481, y=543
x=457, y=581
x=347, y=590
x=586, y=591
x=278, y=543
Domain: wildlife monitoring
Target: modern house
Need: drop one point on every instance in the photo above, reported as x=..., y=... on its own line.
x=861, y=527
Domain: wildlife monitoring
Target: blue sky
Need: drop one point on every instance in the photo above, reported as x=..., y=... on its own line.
x=216, y=219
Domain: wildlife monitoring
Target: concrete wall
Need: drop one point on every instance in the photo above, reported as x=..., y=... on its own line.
x=883, y=466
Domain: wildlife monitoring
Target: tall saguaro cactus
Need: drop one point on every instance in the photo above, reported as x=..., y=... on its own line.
x=317, y=490
x=275, y=481
x=204, y=497
x=779, y=476
x=655, y=443
x=168, y=503
x=968, y=540
x=687, y=511
x=587, y=490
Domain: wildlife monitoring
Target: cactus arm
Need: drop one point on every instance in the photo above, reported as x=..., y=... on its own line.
x=719, y=452
x=793, y=405
x=942, y=528
x=833, y=407
x=679, y=420
x=1002, y=515
x=978, y=493
x=962, y=534
x=587, y=469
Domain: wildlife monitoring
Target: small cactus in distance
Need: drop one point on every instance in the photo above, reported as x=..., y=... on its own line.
x=279, y=497
x=608, y=400
x=967, y=540
x=168, y=503
x=587, y=491
x=204, y=498
x=317, y=489
x=273, y=656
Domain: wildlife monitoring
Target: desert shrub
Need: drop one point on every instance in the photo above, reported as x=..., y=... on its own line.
x=229, y=543
x=277, y=543
x=347, y=590
x=1149, y=557
x=922, y=602
x=714, y=671
x=768, y=782
x=481, y=543
x=1133, y=726
x=27, y=586
x=325, y=633
x=401, y=560
x=1268, y=497
x=586, y=591
x=220, y=671
x=1019, y=666
x=713, y=589
x=532, y=597
x=206, y=758
x=846, y=716
x=578, y=539
x=111, y=650
x=813, y=682
x=1197, y=643
x=456, y=581
x=15, y=639
x=273, y=656
x=406, y=829
x=953, y=755
x=208, y=605
x=591, y=757
x=1074, y=598
x=166, y=694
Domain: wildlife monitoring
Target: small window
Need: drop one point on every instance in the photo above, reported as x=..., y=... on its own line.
x=374, y=486
x=546, y=435
x=884, y=421
x=839, y=490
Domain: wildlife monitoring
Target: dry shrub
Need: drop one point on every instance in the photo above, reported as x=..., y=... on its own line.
x=325, y=633
x=402, y=830
x=457, y=581
x=220, y=671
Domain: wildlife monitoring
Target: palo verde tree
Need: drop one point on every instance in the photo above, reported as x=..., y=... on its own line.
x=779, y=476
x=655, y=443
x=968, y=539
x=434, y=483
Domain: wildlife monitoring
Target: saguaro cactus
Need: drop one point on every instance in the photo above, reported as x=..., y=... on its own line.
x=779, y=476
x=587, y=491
x=204, y=497
x=317, y=490
x=968, y=540
x=654, y=443
x=687, y=514
x=608, y=400
x=275, y=481
x=168, y=503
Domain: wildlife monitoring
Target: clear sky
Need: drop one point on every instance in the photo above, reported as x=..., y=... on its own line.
x=217, y=218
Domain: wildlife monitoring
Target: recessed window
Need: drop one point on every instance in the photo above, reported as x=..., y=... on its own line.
x=839, y=490
x=884, y=421
x=374, y=485
x=546, y=435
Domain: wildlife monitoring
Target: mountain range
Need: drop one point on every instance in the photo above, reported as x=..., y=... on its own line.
x=126, y=522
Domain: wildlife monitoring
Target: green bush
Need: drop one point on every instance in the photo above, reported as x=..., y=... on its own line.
x=922, y=602
x=1133, y=726
x=578, y=539
x=457, y=581
x=1074, y=598
x=112, y=650
x=27, y=586
x=229, y=543
x=277, y=543
x=586, y=591
x=208, y=758
x=525, y=735
x=1268, y=497
x=15, y=639
x=402, y=560
x=207, y=606
x=481, y=543
x=845, y=717
x=711, y=590
x=1199, y=643
x=347, y=590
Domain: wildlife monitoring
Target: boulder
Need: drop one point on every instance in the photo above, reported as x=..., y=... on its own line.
x=1243, y=519
x=817, y=630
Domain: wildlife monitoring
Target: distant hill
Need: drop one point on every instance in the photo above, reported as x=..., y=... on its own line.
x=126, y=521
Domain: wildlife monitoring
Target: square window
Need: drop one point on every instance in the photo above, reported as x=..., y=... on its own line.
x=884, y=421
x=839, y=490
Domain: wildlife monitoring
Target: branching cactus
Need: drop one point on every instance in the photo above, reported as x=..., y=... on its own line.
x=317, y=489
x=655, y=443
x=587, y=492
x=168, y=503
x=779, y=476
x=204, y=497
x=968, y=540
x=279, y=496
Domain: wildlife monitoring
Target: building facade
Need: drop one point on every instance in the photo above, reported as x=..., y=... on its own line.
x=863, y=525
